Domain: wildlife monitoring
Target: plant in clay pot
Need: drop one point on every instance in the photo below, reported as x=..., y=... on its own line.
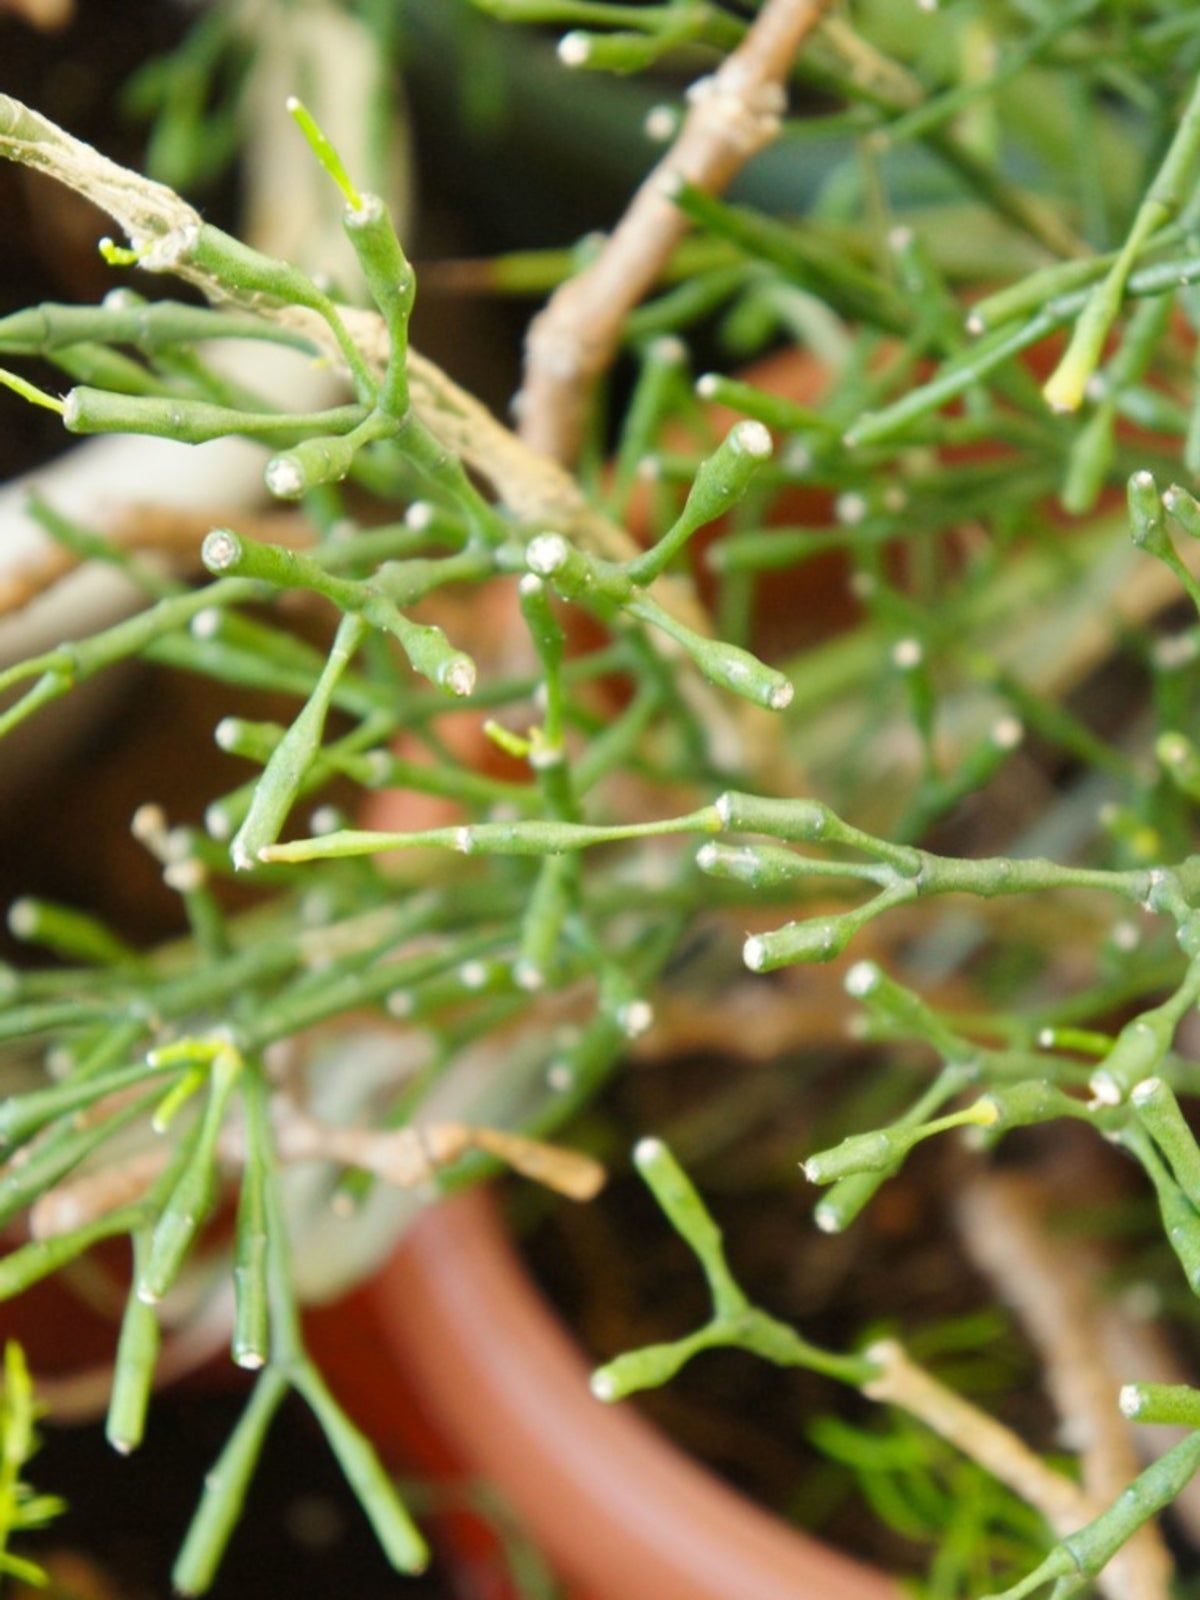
x=587, y=809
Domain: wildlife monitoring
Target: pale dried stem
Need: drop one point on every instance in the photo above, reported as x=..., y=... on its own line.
x=1004, y=1228
x=732, y=115
x=901, y=1382
x=94, y=1194
x=148, y=211
x=1137, y=1347
x=408, y=1157
x=536, y=490
x=533, y=487
x=176, y=535
x=405, y=1157
x=19, y=588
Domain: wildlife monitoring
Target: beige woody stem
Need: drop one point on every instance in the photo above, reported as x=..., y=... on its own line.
x=732, y=115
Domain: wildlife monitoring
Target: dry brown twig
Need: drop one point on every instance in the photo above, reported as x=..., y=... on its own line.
x=1001, y=1452
x=1134, y=1342
x=175, y=536
x=902, y=1383
x=406, y=1157
x=532, y=486
x=409, y=1157
x=1049, y=1287
x=94, y=1194
x=163, y=226
x=733, y=114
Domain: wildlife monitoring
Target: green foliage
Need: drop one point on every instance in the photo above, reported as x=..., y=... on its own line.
x=955, y=230
x=22, y=1508
x=977, y=1533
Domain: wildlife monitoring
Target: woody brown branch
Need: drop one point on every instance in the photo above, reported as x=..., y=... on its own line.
x=732, y=115
x=404, y=1157
x=1065, y=1506
x=532, y=486
x=173, y=535
x=1003, y=1225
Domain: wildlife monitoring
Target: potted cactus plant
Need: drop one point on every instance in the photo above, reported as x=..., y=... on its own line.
x=694, y=708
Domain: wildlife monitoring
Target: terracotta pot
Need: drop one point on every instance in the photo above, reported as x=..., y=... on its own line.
x=617, y=1509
